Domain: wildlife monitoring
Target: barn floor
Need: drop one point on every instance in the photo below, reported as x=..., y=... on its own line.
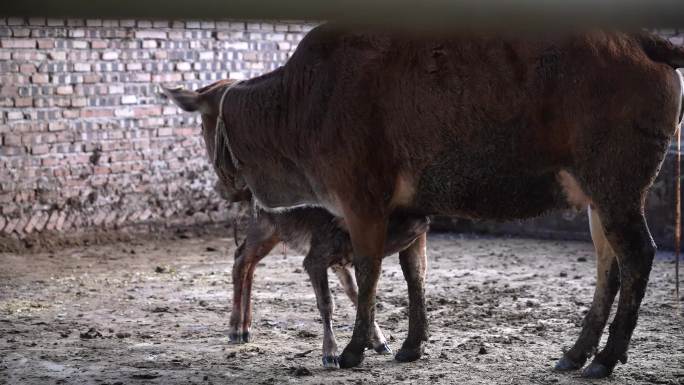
x=156, y=311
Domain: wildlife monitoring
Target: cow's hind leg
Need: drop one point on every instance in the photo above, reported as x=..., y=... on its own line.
x=628, y=235
x=607, y=284
x=346, y=277
x=414, y=265
x=316, y=266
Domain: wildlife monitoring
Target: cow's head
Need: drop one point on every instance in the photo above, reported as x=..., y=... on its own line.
x=206, y=101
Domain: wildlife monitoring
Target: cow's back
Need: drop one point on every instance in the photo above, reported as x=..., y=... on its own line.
x=478, y=125
x=470, y=125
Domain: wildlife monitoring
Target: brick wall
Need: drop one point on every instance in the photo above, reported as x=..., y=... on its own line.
x=86, y=141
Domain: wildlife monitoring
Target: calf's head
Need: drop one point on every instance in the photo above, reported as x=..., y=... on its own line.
x=206, y=101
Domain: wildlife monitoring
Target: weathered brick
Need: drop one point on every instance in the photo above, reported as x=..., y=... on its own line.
x=18, y=43
x=129, y=99
x=27, y=68
x=148, y=44
x=150, y=34
x=45, y=43
x=82, y=67
x=64, y=90
x=57, y=55
x=110, y=55
x=55, y=22
x=98, y=44
x=40, y=149
x=16, y=21
x=36, y=21
x=23, y=102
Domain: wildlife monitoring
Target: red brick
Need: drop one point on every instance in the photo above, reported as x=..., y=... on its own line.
x=146, y=110
x=18, y=43
x=23, y=102
x=40, y=149
x=97, y=113
x=65, y=90
x=27, y=68
x=45, y=43
x=40, y=78
x=98, y=44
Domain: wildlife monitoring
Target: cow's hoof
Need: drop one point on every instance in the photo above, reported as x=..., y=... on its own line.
x=565, y=365
x=383, y=348
x=350, y=359
x=245, y=337
x=331, y=362
x=596, y=370
x=408, y=354
x=235, y=338
x=239, y=338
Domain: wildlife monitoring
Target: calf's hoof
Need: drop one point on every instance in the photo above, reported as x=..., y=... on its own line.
x=350, y=359
x=383, y=348
x=565, y=365
x=596, y=370
x=408, y=354
x=331, y=362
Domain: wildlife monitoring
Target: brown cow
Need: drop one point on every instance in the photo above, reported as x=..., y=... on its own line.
x=366, y=123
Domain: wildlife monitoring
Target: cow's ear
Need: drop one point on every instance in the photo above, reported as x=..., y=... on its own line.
x=185, y=99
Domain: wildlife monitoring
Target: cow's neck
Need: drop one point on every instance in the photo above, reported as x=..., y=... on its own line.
x=256, y=114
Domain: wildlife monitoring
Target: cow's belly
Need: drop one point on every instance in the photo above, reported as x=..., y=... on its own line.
x=500, y=190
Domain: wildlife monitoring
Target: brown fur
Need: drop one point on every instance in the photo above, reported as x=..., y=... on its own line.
x=480, y=125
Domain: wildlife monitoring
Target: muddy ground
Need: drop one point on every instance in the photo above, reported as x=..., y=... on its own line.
x=156, y=311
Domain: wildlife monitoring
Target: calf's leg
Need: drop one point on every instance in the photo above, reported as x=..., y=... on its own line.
x=316, y=266
x=368, y=238
x=251, y=251
x=346, y=277
x=414, y=265
x=607, y=285
x=239, y=275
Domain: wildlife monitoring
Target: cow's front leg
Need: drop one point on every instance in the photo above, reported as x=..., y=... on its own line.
x=607, y=285
x=368, y=237
x=414, y=265
x=348, y=282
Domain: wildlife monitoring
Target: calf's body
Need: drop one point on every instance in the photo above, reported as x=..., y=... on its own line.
x=369, y=123
x=325, y=243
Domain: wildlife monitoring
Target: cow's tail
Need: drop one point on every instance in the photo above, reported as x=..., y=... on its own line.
x=678, y=208
x=661, y=50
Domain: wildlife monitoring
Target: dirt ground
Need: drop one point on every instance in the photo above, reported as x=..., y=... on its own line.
x=156, y=311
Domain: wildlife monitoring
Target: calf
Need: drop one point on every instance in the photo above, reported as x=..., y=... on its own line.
x=367, y=123
x=318, y=234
